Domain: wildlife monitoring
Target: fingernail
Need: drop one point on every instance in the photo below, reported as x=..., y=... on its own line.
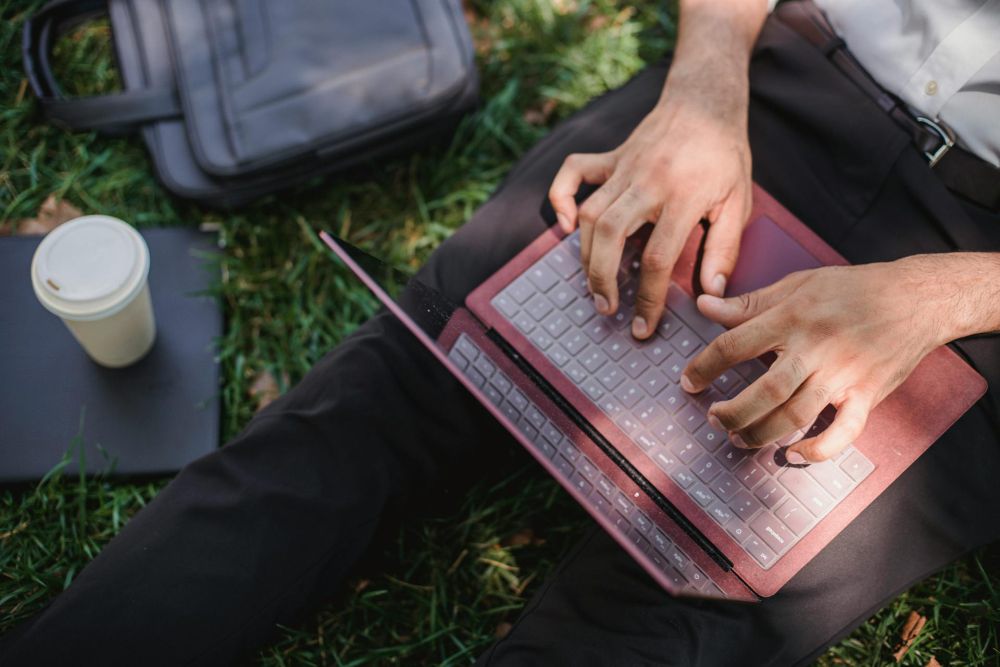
x=639, y=327
x=795, y=458
x=563, y=220
x=601, y=304
x=738, y=441
x=719, y=284
x=686, y=384
x=714, y=422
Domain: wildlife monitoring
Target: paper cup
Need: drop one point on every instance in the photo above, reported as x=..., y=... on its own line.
x=92, y=273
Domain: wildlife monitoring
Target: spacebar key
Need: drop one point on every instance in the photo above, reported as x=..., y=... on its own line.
x=685, y=307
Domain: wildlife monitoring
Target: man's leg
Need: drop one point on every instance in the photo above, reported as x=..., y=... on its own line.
x=824, y=150
x=251, y=534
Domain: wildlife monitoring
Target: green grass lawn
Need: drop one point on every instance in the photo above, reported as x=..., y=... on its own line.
x=440, y=591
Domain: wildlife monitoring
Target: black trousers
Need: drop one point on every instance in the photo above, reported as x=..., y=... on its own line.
x=249, y=535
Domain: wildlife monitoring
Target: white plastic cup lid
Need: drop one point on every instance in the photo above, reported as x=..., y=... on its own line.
x=89, y=268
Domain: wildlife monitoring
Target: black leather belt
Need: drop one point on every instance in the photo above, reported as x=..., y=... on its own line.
x=960, y=171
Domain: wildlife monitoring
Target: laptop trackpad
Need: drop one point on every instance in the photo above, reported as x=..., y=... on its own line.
x=767, y=254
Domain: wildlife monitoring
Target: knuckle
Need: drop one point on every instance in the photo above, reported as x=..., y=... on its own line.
x=656, y=260
x=727, y=344
x=574, y=160
x=588, y=212
x=796, y=368
x=607, y=226
x=799, y=416
x=821, y=394
x=772, y=389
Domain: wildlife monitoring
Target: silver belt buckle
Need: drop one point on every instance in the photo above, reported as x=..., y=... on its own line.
x=947, y=139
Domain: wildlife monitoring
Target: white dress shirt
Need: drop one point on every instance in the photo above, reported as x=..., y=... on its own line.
x=941, y=57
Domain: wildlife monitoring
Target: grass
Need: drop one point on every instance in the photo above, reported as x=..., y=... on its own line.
x=457, y=578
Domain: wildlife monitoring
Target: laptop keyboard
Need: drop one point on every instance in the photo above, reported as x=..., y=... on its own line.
x=581, y=472
x=764, y=505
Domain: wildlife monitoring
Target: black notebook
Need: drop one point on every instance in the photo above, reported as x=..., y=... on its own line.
x=149, y=418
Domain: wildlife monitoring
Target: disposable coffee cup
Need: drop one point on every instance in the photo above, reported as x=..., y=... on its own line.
x=92, y=273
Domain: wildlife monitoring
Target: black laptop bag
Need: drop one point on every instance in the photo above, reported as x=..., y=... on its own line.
x=238, y=98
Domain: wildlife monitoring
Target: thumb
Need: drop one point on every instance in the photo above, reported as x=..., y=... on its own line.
x=722, y=248
x=738, y=309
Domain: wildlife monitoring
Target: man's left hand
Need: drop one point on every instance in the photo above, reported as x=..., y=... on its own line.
x=845, y=336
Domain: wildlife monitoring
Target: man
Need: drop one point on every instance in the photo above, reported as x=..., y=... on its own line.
x=247, y=536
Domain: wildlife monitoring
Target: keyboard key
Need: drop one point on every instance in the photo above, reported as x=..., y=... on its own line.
x=745, y=505
x=484, y=366
x=606, y=488
x=538, y=307
x=581, y=312
x=661, y=542
x=760, y=551
x=702, y=495
x=495, y=396
x=593, y=389
x=664, y=459
x=770, y=493
x=620, y=521
x=666, y=431
x=541, y=339
x=683, y=478
x=518, y=399
x=725, y=486
x=629, y=394
x=750, y=473
x=501, y=382
x=505, y=304
x=634, y=364
x=686, y=308
x=750, y=370
x=569, y=450
x=834, y=480
x=542, y=276
x=673, y=398
x=622, y=318
x=676, y=557
x=857, y=466
x=706, y=468
x=674, y=367
x=476, y=377
x=726, y=380
x=602, y=504
x=562, y=296
x=574, y=342
x=562, y=262
x=578, y=284
x=575, y=371
x=685, y=342
x=592, y=359
x=635, y=536
x=597, y=330
x=556, y=324
x=524, y=322
x=547, y=449
x=649, y=412
x=458, y=359
x=735, y=389
x=628, y=423
x=588, y=469
x=615, y=347
x=669, y=323
x=511, y=412
x=691, y=418
x=737, y=529
x=686, y=450
x=794, y=516
x=527, y=428
x=772, y=531
x=564, y=466
x=806, y=490
x=467, y=347
x=657, y=351
x=709, y=438
x=520, y=290
x=558, y=355
x=730, y=456
x=623, y=504
x=646, y=441
x=675, y=577
x=611, y=377
x=610, y=405
x=653, y=381
x=581, y=484
x=642, y=523
x=720, y=513
x=765, y=457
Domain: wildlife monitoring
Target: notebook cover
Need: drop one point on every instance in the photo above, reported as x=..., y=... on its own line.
x=150, y=418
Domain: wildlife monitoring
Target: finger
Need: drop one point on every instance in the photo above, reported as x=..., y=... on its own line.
x=722, y=247
x=768, y=393
x=623, y=217
x=793, y=417
x=744, y=342
x=849, y=422
x=576, y=169
x=738, y=309
x=592, y=209
x=658, y=258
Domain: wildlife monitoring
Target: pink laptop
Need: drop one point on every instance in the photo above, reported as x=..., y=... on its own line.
x=604, y=414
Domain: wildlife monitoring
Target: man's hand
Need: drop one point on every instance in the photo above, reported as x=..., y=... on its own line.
x=845, y=336
x=689, y=159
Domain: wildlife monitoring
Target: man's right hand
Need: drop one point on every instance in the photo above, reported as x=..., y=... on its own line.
x=688, y=159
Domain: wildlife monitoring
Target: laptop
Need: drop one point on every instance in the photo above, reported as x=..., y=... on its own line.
x=604, y=414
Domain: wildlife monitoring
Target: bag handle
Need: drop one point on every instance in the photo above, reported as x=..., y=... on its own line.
x=113, y=113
